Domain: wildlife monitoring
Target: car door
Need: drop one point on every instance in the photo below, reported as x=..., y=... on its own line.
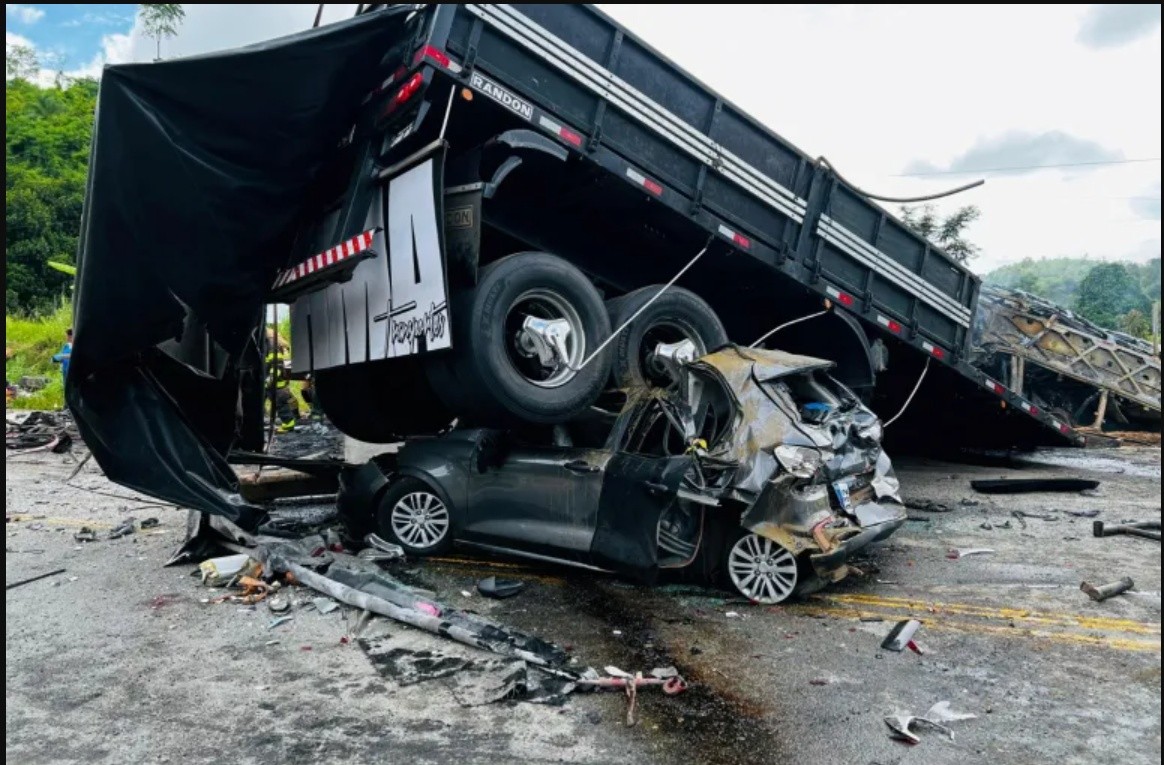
x=537, y=499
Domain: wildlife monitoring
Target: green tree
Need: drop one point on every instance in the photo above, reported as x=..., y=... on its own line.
x=20, y=63
x=949, y=232
x=1108, y=293
x=1135, y=322
x=47, y=136
x=161, y=20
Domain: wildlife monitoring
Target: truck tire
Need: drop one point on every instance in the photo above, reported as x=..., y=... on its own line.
x=677, y=315
x=381, y=402
x=493, y=375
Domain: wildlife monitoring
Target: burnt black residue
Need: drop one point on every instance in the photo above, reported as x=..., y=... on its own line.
x=699, y=725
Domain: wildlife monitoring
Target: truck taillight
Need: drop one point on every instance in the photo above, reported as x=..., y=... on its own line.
x=408, y=89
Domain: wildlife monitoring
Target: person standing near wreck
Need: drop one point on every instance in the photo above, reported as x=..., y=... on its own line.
x=279, y=385
x=65, y=354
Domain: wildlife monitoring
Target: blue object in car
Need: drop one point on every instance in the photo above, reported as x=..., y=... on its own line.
x=815, y=412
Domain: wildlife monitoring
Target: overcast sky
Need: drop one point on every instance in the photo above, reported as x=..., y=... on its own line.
x=902, y=99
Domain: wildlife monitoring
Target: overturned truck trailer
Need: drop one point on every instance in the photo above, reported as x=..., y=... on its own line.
x=462, y=203
x=1082, y=373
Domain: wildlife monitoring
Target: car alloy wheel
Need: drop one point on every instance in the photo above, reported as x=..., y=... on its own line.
x=420, y=520
x=762, y=570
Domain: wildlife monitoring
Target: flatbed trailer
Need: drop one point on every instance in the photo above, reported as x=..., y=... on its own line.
x=657, y=164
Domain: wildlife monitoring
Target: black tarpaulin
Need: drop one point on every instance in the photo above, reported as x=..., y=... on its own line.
x=198, y=173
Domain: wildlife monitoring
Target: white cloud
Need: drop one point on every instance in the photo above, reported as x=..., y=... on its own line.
x=115, y=49
x=13, y=40
x=1110, y=25
x=24, y=14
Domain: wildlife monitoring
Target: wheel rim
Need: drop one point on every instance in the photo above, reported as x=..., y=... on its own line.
x=665, y=333
x=544, y=304
x=762, y=570
x=420, y=519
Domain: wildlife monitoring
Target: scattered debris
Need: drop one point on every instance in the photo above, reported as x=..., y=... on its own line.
x=150, y=523
x=986, y=526
x=901, y=636
x=86, y=534
x=277, y=621
x=31, y=579
x=278, y=604
x=472, y=681
x=1083, y=513
x=220, y=572
x=928, y=506
x=955, y=553
x=1023, y=514
x=732, y=615
x=324, y=605
x=379, y=549
x=671, y=686
x=903, y=725
x=123, y=529
x=1105, y=591
x=1145, y=529
x=40, y=431
x=1030, y=485
x=493, y=587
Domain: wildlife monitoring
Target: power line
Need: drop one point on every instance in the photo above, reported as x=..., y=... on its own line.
x=1025, y=167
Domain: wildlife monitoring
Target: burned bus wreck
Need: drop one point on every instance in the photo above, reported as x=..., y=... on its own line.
x=756, y=470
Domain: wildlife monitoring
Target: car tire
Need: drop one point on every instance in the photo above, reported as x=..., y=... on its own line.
x=677, y=315
x=489, y=377
x=416, y=517
x=381, y=402
x=774, y=569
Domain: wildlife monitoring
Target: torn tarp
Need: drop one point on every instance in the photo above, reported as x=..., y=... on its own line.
x=199, y=170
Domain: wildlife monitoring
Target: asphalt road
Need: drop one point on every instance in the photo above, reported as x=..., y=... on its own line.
x=118, y=660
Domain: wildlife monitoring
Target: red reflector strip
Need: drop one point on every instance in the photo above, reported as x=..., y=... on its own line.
x=934, y=350
x=565, y=133
x=1063, y=428
x=843, y=298
x=995, y=386
x=890, y=324
x=438, y=57
x=644, y=181
x=1028, y=407
x=340, y=252
x=739, y=239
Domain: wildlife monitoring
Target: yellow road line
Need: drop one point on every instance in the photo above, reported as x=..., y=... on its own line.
x=1007, y=614
x=938, y=623
x=517, y=568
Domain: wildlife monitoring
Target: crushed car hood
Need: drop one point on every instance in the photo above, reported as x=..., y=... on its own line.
x=765, y=419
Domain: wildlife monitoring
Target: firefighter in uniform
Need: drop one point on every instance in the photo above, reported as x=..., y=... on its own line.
x=279, y=385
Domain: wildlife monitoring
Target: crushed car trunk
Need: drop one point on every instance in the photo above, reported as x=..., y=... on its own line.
x=198, y=174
